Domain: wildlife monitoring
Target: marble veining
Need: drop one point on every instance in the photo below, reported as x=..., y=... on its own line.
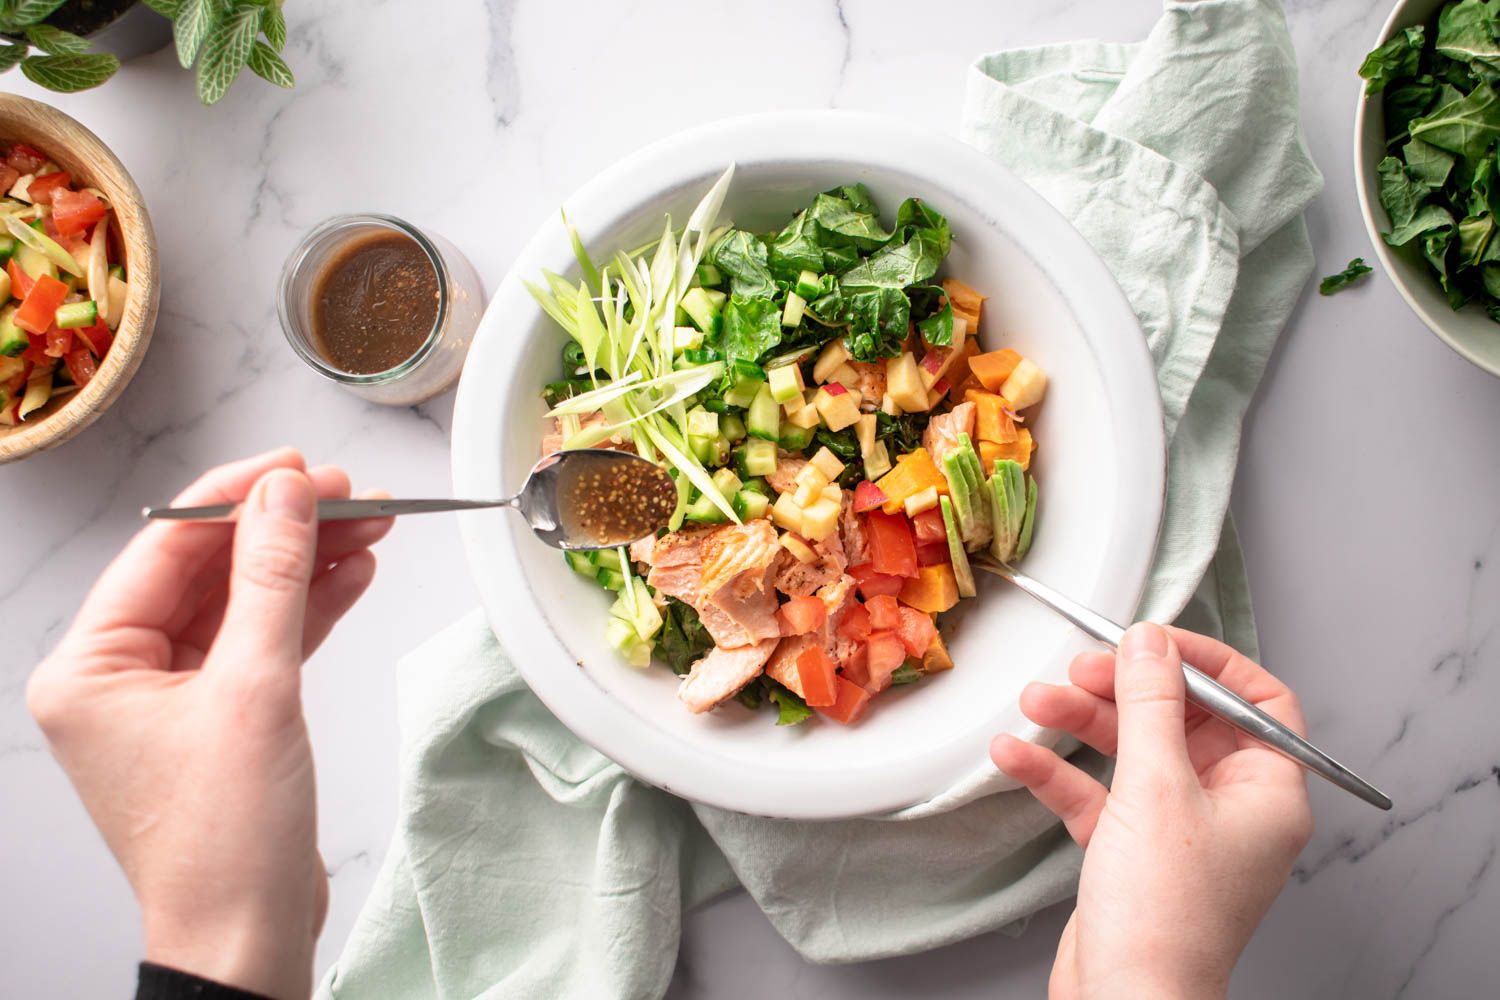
x=1365, y=501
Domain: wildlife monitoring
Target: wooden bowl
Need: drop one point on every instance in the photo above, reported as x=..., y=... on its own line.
x=89, y=160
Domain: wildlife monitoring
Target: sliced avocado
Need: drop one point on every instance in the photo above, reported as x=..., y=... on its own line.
x=1008, y=506
x=962, y=572
x=1029, y=521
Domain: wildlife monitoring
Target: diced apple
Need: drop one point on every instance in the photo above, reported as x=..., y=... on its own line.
x=921, y=500
x=786, y=383
x=810, y=482
x=821, y=519
x=828, y=463
x=834, y=492
x=960, y=332
x=846, y=376
x=864, y=432
x=838, y=409
x=1025, y=386
x=877, y=462
x=889, y=405
x=798, y=548
x=903, y=380
x=786, y=514
x=806, y=417
x=793, y=405
x=834, y=354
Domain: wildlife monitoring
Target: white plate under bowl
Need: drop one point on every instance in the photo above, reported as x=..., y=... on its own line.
x=1101, y=468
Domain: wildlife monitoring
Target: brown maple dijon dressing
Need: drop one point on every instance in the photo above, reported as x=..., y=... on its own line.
x=374, y=303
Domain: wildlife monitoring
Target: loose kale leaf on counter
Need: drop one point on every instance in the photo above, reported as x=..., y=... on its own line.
x=1438, y=182
x=1338, y=282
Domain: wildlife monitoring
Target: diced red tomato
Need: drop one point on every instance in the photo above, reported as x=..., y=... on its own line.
x=59, y=342
x=36, y=351
x=867, y=496
x=815, y=670
x=75, y=211
x=855, y=624
x=886, y=653
x=25, y=159
x=98, y=338
x=885, y=612
x=872, y=583
x=80, y=364
x=42, y=188
x=850, y=702
x=916, y=631
x=801, y=615
x=933, y=553
x=928, y=527
x=20, y=281
x=892, y=549
x=39, y=308
x=835, y=389
x=8, y=177
x=856, y=666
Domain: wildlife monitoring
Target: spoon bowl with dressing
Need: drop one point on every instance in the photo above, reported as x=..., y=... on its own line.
x=589, y=498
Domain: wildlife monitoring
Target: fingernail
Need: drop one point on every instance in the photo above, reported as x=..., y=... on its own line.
x=1144, y=641
x=288, y=494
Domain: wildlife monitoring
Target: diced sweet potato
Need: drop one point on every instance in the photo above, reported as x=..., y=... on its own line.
x=936, y=658
x=1018, y=450
x=992, y=421
x=965, y=300
x=914, y=472
x=994, y=367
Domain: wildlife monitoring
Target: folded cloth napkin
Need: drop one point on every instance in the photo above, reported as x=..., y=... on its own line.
x=525, y=864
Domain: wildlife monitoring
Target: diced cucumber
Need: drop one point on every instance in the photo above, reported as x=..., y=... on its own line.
x=732, y=428
x=701, y=423
x=743, y=393
x=727, y=482
x=705, y=450
x=606, y=559
x=13, y=339
x=715, y=405
x=709, y=276
x=579, y=563
x=760, y=457
x=704, y=511
x=7, y=247
x=34, y=262
x=809, y=285
x=794, y=438
x=756, y=484
x=716, y=299
x=791, y=315
x=764, y=418
x=785, y=382
x=611, y=579
x=700, y=355
x=622, y=638
x=749, y=505
x=701, y=309
x=685, y=338
x=72, y=315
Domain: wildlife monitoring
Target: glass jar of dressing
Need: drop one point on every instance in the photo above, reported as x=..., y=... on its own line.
x=380, y=307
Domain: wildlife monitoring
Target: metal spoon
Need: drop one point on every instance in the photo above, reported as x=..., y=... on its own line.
x=1203, y=691
x=589, y=498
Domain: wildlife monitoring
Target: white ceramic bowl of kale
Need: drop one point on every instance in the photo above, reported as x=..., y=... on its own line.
x=1469, y=330
x=1101, y=469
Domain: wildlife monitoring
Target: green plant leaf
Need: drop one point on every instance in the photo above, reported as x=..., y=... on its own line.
x=1466, y=33
x=28, y=12
x=11, y=55
x=742, y=256
x=66, y=74
x=273, y=26
x=191, y=26
x=1468, y=126
x=56, y=41
x=1356, y=270
x=166, y=8
x=227, y=51
x=1395, y=59
x=269, y=66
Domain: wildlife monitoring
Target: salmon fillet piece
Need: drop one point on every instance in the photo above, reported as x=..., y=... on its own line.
x=871, y=382
x=721, y=673
x=677, y=563
x=784, y=478
x=941, y=435
x=796, y=578
x=738, y=561
x=852, y=533
x=782, y=667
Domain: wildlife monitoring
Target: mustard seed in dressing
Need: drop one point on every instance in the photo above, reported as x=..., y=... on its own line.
x=614, y=502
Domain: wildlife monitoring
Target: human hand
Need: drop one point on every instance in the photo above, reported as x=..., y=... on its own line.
x=1186, y=850
x=174, y=705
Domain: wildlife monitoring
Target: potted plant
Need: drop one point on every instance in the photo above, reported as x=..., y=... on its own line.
x=53, y=41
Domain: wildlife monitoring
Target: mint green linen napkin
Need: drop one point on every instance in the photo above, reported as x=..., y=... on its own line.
x=525, y=864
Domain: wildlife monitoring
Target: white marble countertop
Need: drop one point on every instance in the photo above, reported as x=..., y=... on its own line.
x=1366, y=497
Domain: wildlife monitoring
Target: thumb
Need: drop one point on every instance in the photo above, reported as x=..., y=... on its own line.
x=1150, y=693
x=272, y=566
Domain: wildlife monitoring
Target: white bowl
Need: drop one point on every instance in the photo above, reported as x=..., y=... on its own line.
x=1469, y=331
x=1101, y=467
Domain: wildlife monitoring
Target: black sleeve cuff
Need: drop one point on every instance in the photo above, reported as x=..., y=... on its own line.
x=157, y=982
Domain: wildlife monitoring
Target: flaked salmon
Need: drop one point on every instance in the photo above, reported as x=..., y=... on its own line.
x=722, y=672
x=943, y=430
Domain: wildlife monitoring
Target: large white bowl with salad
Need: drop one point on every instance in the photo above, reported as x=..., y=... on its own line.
x=869, y=356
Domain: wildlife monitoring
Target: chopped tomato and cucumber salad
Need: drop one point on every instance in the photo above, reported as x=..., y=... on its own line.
x=63, y=287
x=840, y=441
